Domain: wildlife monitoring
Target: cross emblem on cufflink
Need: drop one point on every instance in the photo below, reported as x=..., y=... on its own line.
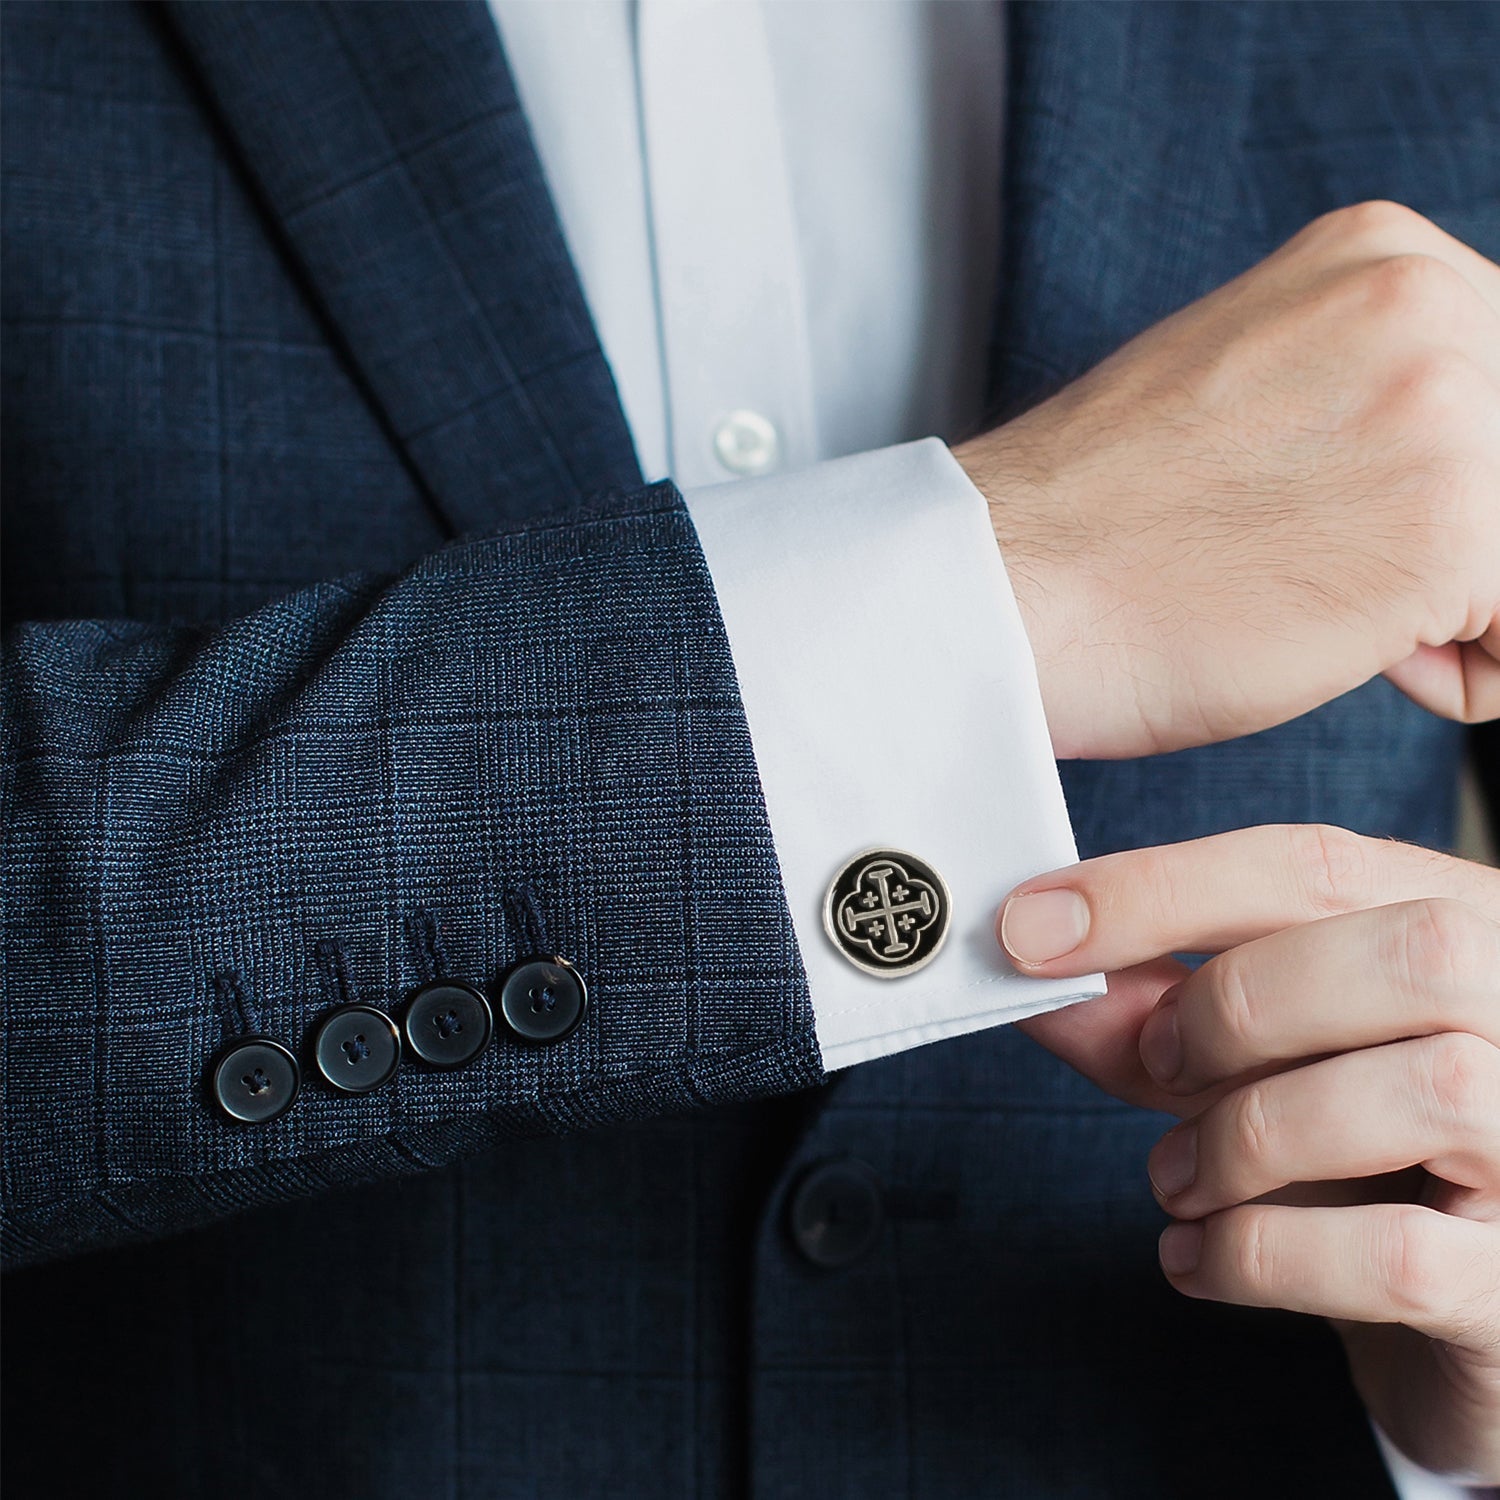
x=887, y=912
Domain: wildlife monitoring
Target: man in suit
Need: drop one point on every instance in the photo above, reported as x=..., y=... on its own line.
x=345, y=866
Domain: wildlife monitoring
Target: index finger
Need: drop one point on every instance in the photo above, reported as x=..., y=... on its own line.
x=1214, y=893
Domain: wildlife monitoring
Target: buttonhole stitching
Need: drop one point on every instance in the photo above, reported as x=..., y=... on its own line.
x=333, y=971
x=238, y=1015
x=425, y=937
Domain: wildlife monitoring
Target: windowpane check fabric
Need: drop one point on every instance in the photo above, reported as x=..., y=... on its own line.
x=201, y=416
x=190, y=435
x=552, y=709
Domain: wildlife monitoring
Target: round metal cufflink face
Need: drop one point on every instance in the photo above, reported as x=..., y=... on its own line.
x=887, y=912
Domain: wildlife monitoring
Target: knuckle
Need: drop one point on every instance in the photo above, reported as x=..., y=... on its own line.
x=1253, y=1258
x=1440, y=389
x=1156, y=882
x=1332, y=866
x=1234, y=1011
x=1411, y=1262
x=1252, y=1129
x=1373, y=219
x=1461, y=1077
x=1442, y=949
x=1366, y=228
x=1410, y=286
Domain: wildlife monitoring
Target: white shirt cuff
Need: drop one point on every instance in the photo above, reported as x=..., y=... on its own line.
x=893, y=703
x=1413, y=1483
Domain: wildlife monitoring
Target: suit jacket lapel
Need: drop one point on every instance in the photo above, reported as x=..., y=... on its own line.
x=390, y=147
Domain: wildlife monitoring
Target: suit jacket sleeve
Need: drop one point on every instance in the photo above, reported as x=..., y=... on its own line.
x=210, y=831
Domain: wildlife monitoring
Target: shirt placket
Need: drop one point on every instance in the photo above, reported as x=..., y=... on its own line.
x=730, y=300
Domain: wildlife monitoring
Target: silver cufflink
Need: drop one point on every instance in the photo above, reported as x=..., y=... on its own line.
x=887, y=912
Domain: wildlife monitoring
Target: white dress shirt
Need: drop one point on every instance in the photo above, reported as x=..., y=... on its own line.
x=785, y=220
x=766, y=310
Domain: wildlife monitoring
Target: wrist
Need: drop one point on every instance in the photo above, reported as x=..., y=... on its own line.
x=1052, y=585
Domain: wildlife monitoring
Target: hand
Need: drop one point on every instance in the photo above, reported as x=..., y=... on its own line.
x=1338, y=1065
x=1276, y=494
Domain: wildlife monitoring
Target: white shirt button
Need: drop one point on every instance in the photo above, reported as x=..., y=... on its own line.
x=747, y=443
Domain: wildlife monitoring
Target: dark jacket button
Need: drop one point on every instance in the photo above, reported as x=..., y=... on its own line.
x=447, y=1024
x=254, y=1080
x=837, y=1213
x=542, y=999
x=356, y=1048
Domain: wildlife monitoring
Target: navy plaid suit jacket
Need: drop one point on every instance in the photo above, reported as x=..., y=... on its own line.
x=287, y=310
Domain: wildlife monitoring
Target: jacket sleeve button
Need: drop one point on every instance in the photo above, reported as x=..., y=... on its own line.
x=356, y=1048
x=254, y=1080
x=447, y=1024
x=542, y=999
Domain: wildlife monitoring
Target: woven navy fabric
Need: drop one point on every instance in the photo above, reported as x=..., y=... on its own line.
x=550, y=709
x=285, y=300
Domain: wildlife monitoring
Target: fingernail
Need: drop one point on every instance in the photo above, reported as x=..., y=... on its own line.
x=1173, y=1163
x=1043, y=925
x=1161, y=1043
x=1179, y=1248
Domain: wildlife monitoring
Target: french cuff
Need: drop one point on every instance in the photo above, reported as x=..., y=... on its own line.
x=1413, y=1483
x=898, y=729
